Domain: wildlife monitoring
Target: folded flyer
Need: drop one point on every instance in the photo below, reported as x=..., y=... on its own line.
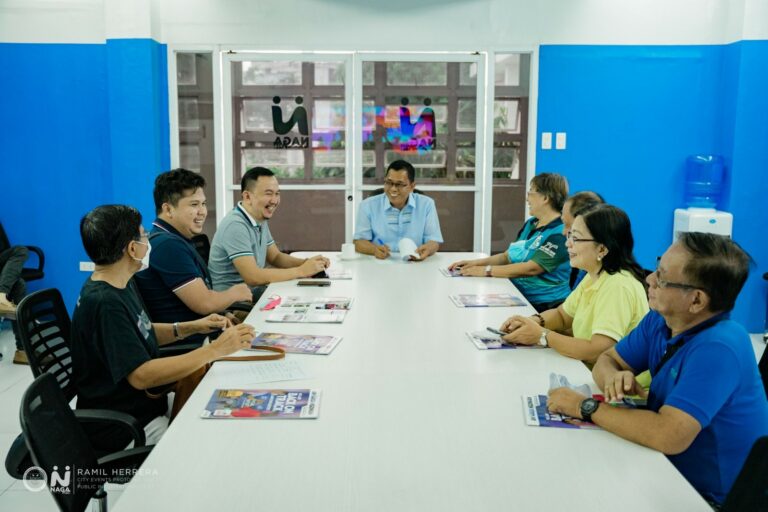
x=297, y=343
x=488, y=300
x=486, y=340
x=263, y=403
x=450, y=273
x=311, y=310
x=537, y=415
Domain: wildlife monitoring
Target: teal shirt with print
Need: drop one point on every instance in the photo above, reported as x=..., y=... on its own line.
x=544, y=245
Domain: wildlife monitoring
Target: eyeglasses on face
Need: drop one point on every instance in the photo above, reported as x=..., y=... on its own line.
x=663, y=283
x=397, y=185
x=576, y=240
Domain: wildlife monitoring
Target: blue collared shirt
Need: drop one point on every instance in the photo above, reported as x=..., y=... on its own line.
x=379, y=221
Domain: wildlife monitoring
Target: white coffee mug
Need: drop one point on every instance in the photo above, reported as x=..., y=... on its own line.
x=348, y=251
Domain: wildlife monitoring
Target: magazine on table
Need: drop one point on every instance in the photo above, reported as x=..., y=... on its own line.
x=486, y=340
x=537, y=415
x=311, y=310
x=263, y=403
x=297, y=343
x=456, y=272
x=487, y=300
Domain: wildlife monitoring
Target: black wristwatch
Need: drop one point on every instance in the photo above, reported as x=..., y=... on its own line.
x=587, y=408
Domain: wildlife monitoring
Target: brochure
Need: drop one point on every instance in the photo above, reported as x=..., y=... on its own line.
x=263, y=403
x=488, y=300
x=311, y=310
x=338, y=273
x=450, y=273
x=486, y=340
x=537, y=415
x=297, y=343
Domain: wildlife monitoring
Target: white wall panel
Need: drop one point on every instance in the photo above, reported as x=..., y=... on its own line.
x=391, y=25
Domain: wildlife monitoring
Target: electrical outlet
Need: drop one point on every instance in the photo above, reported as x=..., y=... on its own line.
x=87, y=266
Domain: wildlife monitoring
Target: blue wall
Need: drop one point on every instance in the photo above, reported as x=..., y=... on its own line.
x=633, y=114
x=83, y=125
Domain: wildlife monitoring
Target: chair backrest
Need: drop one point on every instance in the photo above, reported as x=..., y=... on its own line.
x=763, y=366
x=58, y=444
x=4, y=242
x=202, y=245
x=379, y=191
x=750, y=490
x=44, y=328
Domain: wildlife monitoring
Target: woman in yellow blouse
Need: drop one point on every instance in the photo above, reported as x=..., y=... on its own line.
x=608, y=303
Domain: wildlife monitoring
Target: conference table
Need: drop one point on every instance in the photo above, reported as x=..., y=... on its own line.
x=413, y=417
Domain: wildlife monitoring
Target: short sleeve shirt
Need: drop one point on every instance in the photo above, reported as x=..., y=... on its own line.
x=111, y=336
x=173, y=264
x=611, y=305
x=544, y=245
x=379, y=221
x=237, y=236
x=713, y=377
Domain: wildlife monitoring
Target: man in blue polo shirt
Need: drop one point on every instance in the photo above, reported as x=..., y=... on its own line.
x=706, y=405
x=177, y=285
x=385, y=219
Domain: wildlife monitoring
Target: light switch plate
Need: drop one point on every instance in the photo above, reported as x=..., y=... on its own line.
x=560, y=140
x=546, y=140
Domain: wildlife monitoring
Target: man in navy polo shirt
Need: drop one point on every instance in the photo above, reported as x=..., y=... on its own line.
x=706, y=405
x=177, y=285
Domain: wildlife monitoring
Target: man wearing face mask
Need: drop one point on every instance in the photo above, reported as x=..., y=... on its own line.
x=177, y=286
x=243, y=246
x=115, y=345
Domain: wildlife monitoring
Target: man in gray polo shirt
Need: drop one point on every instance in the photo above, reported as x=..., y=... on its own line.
x=243, y=245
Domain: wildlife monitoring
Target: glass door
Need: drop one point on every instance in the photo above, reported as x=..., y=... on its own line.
x=288, y=113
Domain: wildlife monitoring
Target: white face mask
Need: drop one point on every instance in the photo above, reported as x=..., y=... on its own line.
x=145, y=260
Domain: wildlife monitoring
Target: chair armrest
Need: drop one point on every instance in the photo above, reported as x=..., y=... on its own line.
x=121, y=466
x=241, y=306
x=18, y=459
x=118, y=418
x=40, y=256
x=177, y=350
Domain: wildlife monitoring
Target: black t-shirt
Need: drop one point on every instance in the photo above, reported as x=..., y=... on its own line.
x=111, y=337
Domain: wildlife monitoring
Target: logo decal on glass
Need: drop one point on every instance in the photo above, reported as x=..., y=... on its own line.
x=404, y=134
x=298, y=118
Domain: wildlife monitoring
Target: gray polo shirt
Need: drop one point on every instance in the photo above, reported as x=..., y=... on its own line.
x=238, y=235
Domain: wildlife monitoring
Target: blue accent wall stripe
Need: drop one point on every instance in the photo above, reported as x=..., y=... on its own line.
x=634, y=113
x=83, y=125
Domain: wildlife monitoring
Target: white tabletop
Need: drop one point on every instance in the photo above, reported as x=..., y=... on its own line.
x=412, y=417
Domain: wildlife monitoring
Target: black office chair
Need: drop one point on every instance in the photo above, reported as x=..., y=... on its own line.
x=28, y=273
x=750, y=490
x=44, y=331
x=58, y=444
x=379, y=191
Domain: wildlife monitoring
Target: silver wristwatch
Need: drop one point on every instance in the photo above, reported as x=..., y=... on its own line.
x=488, y=271
x=543, y=338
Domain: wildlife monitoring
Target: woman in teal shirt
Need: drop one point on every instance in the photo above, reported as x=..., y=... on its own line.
x=537, y=262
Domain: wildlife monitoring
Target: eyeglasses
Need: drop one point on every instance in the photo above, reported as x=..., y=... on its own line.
x=662, y=283
x=575, y=240
x=397, y=185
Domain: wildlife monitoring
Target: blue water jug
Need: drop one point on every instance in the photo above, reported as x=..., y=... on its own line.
x=704, y=180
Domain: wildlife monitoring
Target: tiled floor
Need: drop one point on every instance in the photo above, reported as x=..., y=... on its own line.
x=14, y=379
